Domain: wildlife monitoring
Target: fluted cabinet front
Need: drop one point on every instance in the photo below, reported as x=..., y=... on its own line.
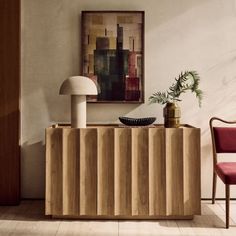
x=112, y=172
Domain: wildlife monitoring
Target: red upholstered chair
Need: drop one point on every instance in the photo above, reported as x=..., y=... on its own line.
x=223, y=141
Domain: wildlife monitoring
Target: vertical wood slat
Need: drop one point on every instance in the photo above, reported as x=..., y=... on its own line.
x=157, y=172
x=192, y=174
x=54, y=171
x=105, y=191
x=122, y=172
x=71, y=163
x=140, y=185
x=88, y=171
x=174, y=171
x=48, y=192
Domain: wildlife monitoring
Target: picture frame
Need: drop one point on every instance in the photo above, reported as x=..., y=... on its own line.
x=112, y=48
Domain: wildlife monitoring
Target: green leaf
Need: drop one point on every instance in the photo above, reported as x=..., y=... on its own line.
x=188, y=80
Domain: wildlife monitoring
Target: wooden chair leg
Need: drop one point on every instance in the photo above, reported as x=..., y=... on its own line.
x=227, y=195
x=214, y=187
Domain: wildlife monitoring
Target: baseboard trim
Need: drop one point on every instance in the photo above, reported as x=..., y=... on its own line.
x=32, y=199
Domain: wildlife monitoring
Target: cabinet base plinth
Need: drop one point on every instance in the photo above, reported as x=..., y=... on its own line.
x=188, y=217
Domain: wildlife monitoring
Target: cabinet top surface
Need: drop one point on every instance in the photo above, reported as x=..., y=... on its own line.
x=120, y=126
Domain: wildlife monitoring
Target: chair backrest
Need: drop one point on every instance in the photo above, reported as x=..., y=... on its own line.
x=223, y=138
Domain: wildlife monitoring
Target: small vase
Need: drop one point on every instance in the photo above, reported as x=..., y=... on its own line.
x=172, y=115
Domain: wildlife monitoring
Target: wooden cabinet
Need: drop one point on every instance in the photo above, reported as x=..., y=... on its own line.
x=121, y=172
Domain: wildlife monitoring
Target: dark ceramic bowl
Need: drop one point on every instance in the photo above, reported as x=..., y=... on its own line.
x=137, y=121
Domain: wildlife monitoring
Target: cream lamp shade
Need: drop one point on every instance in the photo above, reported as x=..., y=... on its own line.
x=78, y=87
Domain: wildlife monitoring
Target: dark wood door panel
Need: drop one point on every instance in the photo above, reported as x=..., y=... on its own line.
x=9, y=101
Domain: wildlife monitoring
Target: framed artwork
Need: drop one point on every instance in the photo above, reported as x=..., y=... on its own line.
x=113, y=54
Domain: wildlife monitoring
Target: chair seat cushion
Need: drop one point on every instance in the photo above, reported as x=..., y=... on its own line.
x=226, y=171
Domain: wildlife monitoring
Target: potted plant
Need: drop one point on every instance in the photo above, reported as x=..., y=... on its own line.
x=188, y=80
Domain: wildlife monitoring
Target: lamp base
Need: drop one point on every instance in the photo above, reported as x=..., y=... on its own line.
x=78, y=111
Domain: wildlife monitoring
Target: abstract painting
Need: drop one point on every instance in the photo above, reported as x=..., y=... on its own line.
x=113, y=54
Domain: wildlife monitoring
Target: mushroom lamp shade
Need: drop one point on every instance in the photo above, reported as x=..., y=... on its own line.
x=78, y=87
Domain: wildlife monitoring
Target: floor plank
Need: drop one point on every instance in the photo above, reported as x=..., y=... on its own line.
x=88, y=228
x=162, y=227
x=28, y=219
x=36, y=228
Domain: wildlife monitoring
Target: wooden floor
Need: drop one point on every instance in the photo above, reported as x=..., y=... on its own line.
x=28, y=219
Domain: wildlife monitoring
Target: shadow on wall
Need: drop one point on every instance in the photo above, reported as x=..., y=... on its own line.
x=110, y=112
x=165, y=12
x=162, y=9
x=63, y=67
x=58, y=110
x=32, y=173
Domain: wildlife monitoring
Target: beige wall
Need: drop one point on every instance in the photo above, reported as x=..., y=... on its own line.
x=179, y=35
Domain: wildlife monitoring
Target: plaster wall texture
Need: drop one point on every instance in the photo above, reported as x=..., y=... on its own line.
x=179, y=35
